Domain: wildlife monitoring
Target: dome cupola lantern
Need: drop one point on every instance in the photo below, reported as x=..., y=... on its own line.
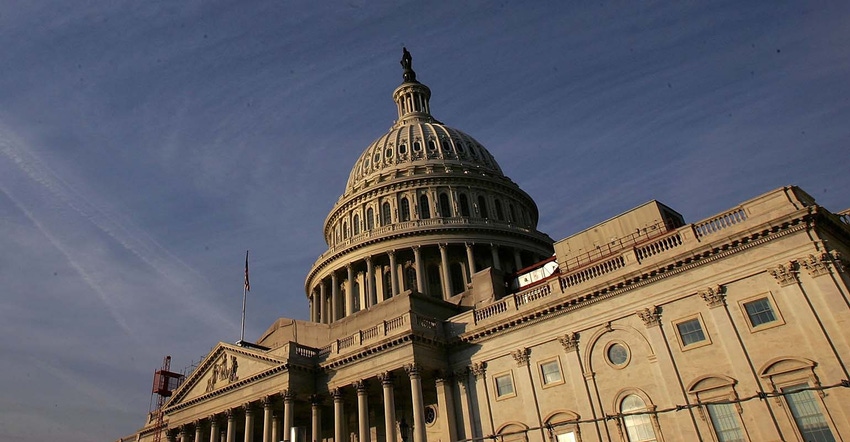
x=412, y=97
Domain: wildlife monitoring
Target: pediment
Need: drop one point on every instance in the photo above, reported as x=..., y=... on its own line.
x=225, y=367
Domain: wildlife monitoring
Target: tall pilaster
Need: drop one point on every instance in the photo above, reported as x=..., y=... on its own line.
x=349, y=290
x=316, y=418
x=371, y=296
x=462, y=378
x=288, y=414
x=323, y=303
x=362, y=411
x=389, y=405
x=413, y=371
x=420, y=269
x=249, y=422
x=479, y=370
x=444, y=264
x=267, y=418
x=231, y=424
x=393, y=273
x=446, y=403
x=339, y=415
x=470, y=260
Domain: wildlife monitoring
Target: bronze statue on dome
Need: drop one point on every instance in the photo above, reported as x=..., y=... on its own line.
x=407, y=65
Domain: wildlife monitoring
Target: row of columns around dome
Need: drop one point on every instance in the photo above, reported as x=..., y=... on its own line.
x=404, y=416
x=427, y=204
x=438, y=270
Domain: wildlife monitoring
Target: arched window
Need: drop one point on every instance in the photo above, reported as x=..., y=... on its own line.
x=482, y=207
x=355, y=297
x=424, y=210
x=405, y=209
x=458, y=279
x=356, y=224
x=499, y=214
x=464, y=204
x=445, y=207
x=345, y=230
x=513, y=213
x=638, y=426
x=388, y=285
x=386, y=214
x=410, y=278
x=370, y=219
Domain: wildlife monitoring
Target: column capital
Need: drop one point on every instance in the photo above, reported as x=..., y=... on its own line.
x=316, y=399
x=521, y=356
x=213, y=418
x=287, y=394
x=230, y=414
x=361, y=385
x=386, y=378
x=369, y=259
x=838, y=260
x=442, y=376
x=248, y=407
x=391, y=253
x=651, y=317
x=267, y=401
x=478, y=369
x=816, y=265
x=197, y=423
x=336, y=393
x=413, y=370
x=784, y=273
x=569, y=341
x=713, y=296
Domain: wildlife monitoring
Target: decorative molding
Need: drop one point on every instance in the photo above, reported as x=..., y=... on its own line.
x=713, y=296
x=784, y=274
x=478, y=369
x=651, y=317
x=521, y=356
x=569, y=341
x=816, y=265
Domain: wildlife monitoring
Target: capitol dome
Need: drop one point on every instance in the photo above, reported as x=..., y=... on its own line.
x=425, y=207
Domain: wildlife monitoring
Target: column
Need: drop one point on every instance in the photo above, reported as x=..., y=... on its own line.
x=316, y=417
x=494, y=251
x=275, y=426
x=339, y=416
x=312, y=306
x=198, y=431
x=413, y=371
x=249, y=423
x=446, y=403
x=267, y=418
x=215, y=434
x=517, y=260
x=184, y=433
x=470, y=258
x=444, y=263
x=393, y=276
x=362, y=410
x=288, y=413
x=420, y=269
x=389, y=405
x=349, y=290
x=371, y=296
x=323, y=300
x=231, y=425
x=334, y=298
x=170, y=436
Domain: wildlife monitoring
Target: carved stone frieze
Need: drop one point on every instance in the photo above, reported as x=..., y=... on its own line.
x=784, y=274
x=815, y=265
x=521, y=356
x=569, y=341
x=713, y=296
x=651, y=317
x=478, y=369
x=221, y=372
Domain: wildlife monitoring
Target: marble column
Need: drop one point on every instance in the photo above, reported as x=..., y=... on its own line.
x=389, y=405
x=249, y=423
x=371, y=294
x=349, y=290
x=275, y=426
x=267, y=418
x=494, y=251
x=231, y=425
x=444, y=264
x=413, y=371
x=393, y=275
x=362, y=411
x=446, y=403
x=215, y=433
x=470, y=258
x=323, y=301
x=198, y=429
x=334, y=298
x=288, y=414
x=339, y=416
x=184, y=433
x=316, y=418
x=517, y=260
x=420, y=269
x=170, y=436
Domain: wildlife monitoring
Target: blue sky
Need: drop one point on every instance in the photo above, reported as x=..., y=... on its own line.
x=144, y=146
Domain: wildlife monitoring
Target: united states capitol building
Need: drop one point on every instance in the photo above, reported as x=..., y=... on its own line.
x=440, y=313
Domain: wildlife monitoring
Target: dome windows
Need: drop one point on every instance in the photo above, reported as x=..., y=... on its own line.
x=386, y=214
x=417, y=147
x=482, y=207
x=402, y=148
x=389, y=153
x=432, y=146
x=445, y=207
x=404, y=211
x=424, y=208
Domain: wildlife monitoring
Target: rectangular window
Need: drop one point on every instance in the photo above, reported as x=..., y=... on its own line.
x=724, y=419
x=807, y=414
x=690, y=332
x=760, y=312
x=551, y=372
x=504, y=385
x=566, y=437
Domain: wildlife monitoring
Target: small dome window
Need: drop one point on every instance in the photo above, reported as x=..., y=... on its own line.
x=459, y=147
x=402, y=148
x=366, y=163
x=389, y=152
x=417, y=147
x=377, y=158
x=432, y=145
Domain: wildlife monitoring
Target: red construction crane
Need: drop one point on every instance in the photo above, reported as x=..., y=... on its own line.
x=164, y=383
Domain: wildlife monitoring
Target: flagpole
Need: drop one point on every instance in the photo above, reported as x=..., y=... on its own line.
x=245, y=288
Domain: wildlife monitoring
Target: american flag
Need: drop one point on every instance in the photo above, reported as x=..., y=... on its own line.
x=247, y=283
